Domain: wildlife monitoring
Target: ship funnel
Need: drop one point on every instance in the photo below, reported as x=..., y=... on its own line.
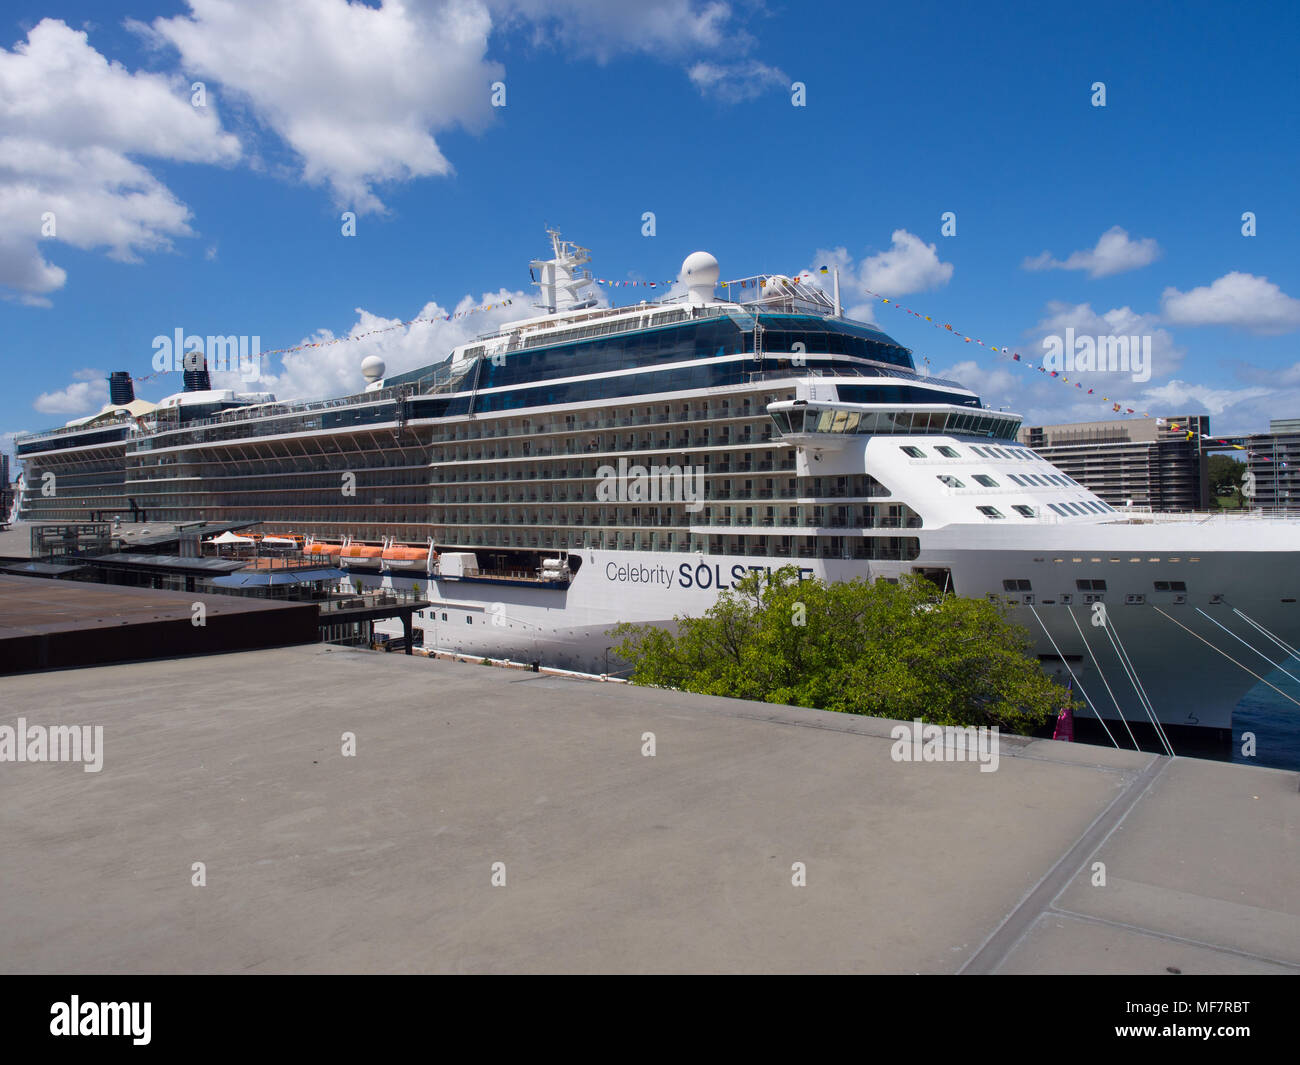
x=121, y=390
x=196, y=379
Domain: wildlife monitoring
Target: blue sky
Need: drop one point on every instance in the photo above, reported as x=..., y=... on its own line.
x=225, y=219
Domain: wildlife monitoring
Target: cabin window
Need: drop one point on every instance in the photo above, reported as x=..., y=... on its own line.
x=1085, y=584
x=913, y=452
x=991, y=512
x=985, y=480
x=950, y=481
x=1017, y=585
x=948, y=452
x=1024, y=511
x=1171, y=586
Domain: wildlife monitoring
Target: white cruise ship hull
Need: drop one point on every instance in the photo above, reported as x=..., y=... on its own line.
x=1142, y=659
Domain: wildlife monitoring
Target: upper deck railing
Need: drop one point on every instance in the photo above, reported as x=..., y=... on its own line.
x=66, y=430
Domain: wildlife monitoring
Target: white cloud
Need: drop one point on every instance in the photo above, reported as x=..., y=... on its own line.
x=736, y=82
x=909, y=265
x=355, y=91
x=1166, y=356
x=69, y=120
x=87, y=393
x=1114, y=254
x=1236, y=299
x=604, y=28
x=1196, y=399
x=336, y=370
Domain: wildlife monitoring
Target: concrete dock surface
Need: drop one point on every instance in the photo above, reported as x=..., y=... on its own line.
x=612, y=860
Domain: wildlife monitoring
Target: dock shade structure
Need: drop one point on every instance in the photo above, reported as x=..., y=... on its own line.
x=274, y=578
x=231, y=538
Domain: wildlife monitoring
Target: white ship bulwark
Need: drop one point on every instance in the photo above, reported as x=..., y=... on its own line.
x=662, y=450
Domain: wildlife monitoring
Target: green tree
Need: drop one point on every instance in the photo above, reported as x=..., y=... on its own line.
x=1224, y=475
x=902, y=650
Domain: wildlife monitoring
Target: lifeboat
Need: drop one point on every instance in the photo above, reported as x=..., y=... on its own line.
x=322, y=549
x=360, y=551
x=403, y=556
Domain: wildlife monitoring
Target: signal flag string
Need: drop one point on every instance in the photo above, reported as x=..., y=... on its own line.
x=1011, y=356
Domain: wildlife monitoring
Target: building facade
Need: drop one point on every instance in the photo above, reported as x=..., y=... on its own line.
x=1274, y=459
x=6, y=497
x=1141, y=462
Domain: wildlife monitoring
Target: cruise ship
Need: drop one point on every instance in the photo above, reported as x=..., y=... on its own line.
x=592, y=464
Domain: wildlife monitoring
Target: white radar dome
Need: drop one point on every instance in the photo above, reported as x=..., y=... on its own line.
x=700, y=272
x=372, y=368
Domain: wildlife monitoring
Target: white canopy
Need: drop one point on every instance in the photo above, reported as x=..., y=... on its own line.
x=231, y=538
x=279, y=541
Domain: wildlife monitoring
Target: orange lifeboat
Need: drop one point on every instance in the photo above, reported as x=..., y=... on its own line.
x=360, y=551
x=322, y=549
x=403, y=556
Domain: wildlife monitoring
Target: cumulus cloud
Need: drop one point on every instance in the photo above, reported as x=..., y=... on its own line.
x=1114, y=253
x=1166, y=355
x=736, y=82
x=356, y=92
x=1188, y=396
x=604, y=28
x=336, y=370
x=88, y=392
x=1041, y=401
x=908, y=265
x=1236, y=299
x=69, y=122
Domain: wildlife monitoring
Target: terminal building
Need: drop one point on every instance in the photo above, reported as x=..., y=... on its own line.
x=1274, y=459
x=1139, y=462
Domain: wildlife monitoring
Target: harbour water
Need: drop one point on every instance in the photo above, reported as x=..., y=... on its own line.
x=1274, y=719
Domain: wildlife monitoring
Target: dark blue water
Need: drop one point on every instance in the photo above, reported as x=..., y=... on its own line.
x=1274, y=720
x=1269, y=715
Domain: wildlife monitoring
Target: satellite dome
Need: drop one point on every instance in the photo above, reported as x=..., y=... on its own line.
x=700, y=272
x=372, y=368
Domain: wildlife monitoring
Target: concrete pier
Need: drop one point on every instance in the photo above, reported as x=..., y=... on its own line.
x=612, y=860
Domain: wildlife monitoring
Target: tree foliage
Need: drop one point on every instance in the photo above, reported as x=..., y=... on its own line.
x=902, y=650
x=1222, y=471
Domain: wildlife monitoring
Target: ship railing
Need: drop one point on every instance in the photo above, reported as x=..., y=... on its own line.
x=845, y=370
x=1262, y=514
x=66, y=430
